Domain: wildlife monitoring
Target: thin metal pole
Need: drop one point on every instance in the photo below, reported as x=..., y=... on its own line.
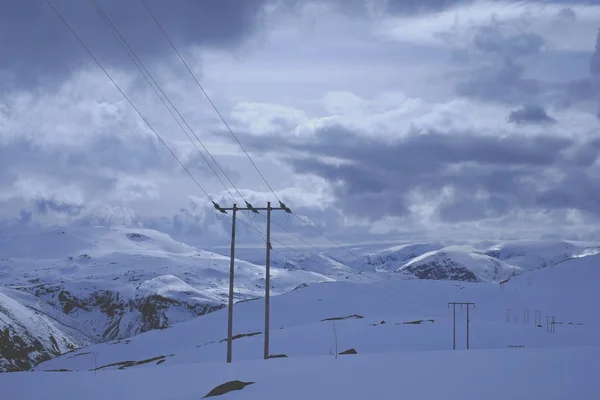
x=231, y=270
x=267, y=280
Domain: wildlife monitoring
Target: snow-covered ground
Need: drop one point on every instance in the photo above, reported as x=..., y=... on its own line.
x=375, y=318
x=67, y=288
x=401, y=330
x=551, y=374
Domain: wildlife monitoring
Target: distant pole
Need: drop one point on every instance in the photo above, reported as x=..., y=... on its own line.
x=453, y=326
x=508, y=315
x=467, y=326
x=231, y=271
x=267, y=281
x=454, y=303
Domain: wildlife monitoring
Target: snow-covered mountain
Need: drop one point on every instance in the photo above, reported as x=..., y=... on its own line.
x=532, y=254
x=459, y=266
x=28, y=336
x=96, y=285
x=323, y=319
x=113, y=283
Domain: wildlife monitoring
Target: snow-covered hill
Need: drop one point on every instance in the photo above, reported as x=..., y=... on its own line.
x=531, y=254
x=400, y=331
x=459, y=266
x=471, y=261
x=516, y=374
x=115, y=283
x=28, y=337
x=383, y=317
x=93, y=285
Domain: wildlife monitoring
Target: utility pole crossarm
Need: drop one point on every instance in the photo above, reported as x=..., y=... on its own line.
x=256, y=208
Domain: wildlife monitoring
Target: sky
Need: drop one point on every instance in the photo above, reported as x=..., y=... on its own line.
x=371, y=120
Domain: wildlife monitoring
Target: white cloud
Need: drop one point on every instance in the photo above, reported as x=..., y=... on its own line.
x=312, y=76
x=456, y=26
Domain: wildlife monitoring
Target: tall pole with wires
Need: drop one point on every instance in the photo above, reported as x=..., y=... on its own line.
x=267, y=281
x=231, y=270
x=228, y=127
x=255, y=210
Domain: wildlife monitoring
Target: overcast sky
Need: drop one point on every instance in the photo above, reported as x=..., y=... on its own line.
x=373, y=119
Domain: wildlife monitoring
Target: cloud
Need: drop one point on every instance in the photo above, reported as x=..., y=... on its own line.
x=44, y=206
x=586, y=90
x=498, y=53
x=37, y=46
x=530, y=114
x=369, y=119
x=456, y=25
x=435, y=173
x=595, y=70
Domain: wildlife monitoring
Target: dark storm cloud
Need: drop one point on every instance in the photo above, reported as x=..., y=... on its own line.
x=36, y=45
x=499, y=72
x=530, y=114
x=94, y=166
x=419, y=6
x=51, y=205
x=595, y=61
x=587, y=89
x=595, y=71
x=393, y=7
x=491, y=40
x=502, y=77
x=510, y=173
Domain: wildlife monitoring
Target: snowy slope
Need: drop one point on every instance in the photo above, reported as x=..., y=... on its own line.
x=398, y=358
x=534, y=254
x=473, y=260
x=102, y=284
x=392, y=316
x=516, y=374
x=459, y=266
x=28, y=337
x=114, y=283
x=391, y=258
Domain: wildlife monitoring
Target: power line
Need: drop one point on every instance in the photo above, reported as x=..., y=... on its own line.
x=208, y=98
x=128, y=100
x=217, y=207
x=234, y=135
x=148, y=77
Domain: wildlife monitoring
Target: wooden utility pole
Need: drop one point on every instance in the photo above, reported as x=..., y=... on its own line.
x=231, y=270
x=255, y=210
x=468, y=304
x=454, y=321
x=453, y=325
